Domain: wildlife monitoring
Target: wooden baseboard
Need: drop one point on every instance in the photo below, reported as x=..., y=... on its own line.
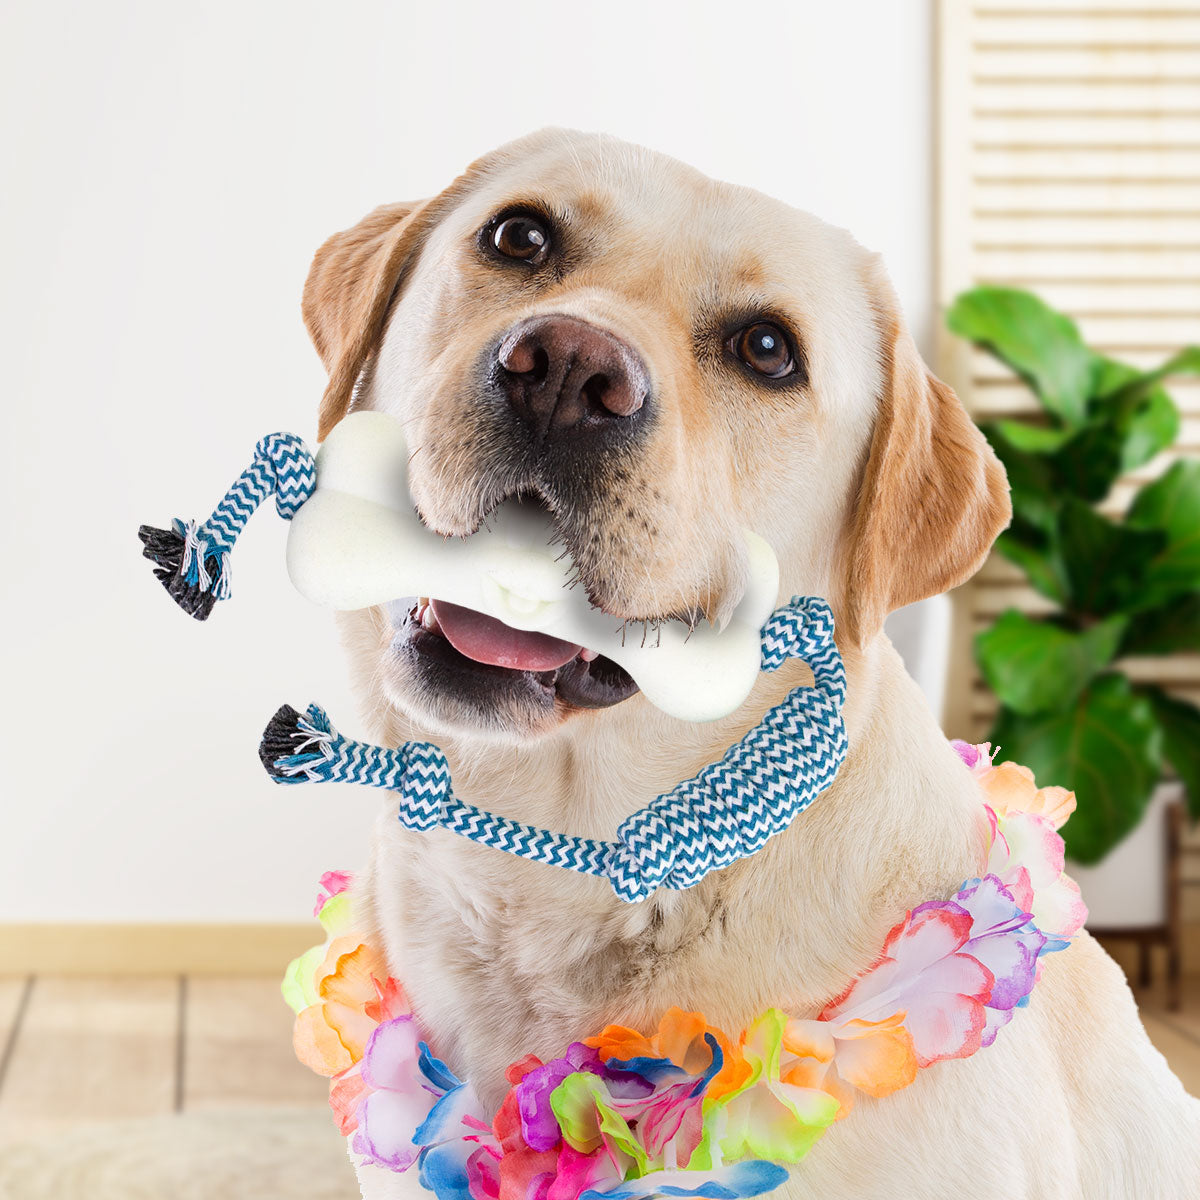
x=189, y=949
x=195, y=949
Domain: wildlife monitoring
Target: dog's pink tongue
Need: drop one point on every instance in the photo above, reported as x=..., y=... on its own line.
x=487, y=640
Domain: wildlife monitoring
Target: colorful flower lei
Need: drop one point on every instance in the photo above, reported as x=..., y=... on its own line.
x=689, y=1110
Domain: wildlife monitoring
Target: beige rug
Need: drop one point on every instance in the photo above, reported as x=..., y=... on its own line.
x=250, y=1155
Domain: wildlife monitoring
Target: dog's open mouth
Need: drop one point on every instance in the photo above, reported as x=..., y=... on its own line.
x=476, y=651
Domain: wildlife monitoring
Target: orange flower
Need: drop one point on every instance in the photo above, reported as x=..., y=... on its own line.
x=840, y=1057
x=1009, y=787
x=680, y=1038
x=353, y=992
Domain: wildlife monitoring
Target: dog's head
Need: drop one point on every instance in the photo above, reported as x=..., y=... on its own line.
x=661, y=360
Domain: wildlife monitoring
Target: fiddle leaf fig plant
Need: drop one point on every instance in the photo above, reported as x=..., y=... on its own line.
x=1117, y=587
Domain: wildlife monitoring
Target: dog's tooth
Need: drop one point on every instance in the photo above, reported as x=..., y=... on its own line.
x=429, y=620
x=588, y=655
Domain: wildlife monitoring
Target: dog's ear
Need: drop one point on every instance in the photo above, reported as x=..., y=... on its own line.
x=351, y=283
x=933, y=495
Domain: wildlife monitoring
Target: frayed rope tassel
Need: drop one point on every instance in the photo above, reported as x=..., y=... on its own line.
x=726, y=812
x=191, y=560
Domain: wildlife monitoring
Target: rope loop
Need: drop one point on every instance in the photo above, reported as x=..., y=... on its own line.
x=293, y=471
x=425, y=786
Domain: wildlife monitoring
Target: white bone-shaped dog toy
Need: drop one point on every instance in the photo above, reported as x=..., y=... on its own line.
x=356, y=540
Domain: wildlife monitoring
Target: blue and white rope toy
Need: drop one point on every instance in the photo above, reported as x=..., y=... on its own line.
x=727, y=811
x=192, y=560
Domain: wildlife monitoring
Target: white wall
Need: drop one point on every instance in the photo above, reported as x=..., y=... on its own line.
x=169, y=170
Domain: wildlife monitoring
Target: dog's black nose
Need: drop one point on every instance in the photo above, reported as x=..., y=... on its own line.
x=559, y=371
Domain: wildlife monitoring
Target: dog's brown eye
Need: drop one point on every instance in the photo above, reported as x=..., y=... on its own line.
x=521, y=237
x=764, y=348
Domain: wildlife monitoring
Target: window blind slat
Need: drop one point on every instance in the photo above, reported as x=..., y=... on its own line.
x=1076, y=164
x=1072, y=265
x=1116, y=96
x=1120, y=231
x=1108, y=9
x=1050, y=64
x=1101, y=197
x=1117, y=29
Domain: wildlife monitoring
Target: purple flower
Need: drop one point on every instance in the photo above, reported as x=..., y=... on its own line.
x=413, y=1101
x=538, y=1124
x=1003, y=938
x=968, y=753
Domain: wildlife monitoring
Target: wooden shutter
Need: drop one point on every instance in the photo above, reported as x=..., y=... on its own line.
x=1069, y=164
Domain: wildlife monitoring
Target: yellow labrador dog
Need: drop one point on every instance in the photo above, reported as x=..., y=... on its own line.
x=662, y=360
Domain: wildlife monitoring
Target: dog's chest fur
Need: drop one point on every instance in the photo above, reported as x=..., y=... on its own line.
x=502, y=957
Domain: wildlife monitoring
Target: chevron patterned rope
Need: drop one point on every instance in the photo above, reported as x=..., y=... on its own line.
x=729, y=810
x=192, y=559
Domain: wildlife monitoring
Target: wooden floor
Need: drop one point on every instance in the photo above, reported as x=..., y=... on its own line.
x=1176, y=1034
x=80, y=1051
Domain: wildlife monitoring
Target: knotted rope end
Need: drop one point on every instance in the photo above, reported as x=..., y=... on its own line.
x=194, y=572
x=191, y=560
x=296, y=745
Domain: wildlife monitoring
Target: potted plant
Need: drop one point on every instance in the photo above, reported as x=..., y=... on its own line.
x=1120, y=586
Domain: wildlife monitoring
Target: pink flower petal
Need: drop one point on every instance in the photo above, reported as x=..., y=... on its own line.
x=928, y=935
x=332, y=883
x=1059, y=910
x=950, y=1027
x=969, y=754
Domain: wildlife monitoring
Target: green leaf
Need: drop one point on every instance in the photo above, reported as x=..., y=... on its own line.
x=1033, y=439
x=1106, y=748
x=1171, y=504
x=1034, y=666
x=1104, y=562
x=1089, y=463
x=1171, y=627
x=1135, y=384
x=1129, y=422
x=1143, y=417
x=1041, y=345
x=1042, y=564
x=1152, y=428
x=1180, y=725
